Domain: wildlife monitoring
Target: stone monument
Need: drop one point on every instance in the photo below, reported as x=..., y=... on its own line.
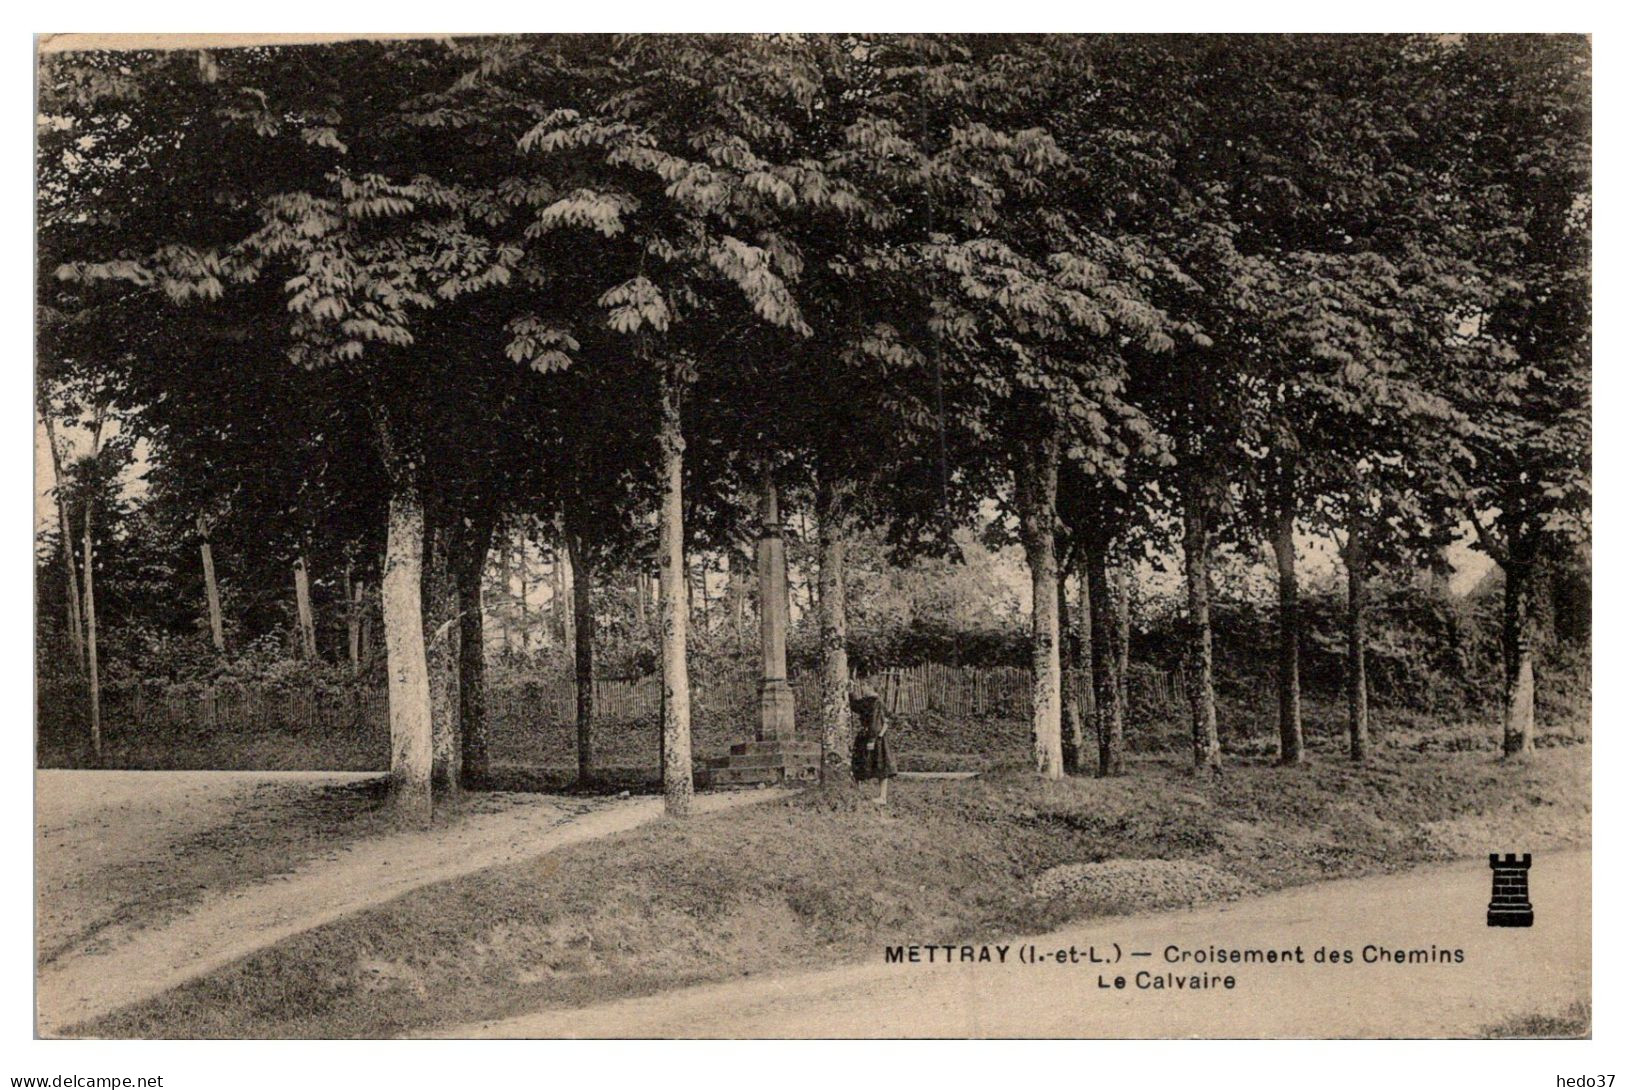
x=778, y=754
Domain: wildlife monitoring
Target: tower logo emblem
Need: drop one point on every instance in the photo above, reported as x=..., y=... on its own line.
x=1509, y=891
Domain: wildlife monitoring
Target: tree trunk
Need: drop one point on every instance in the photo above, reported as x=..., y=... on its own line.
x=1071, y=724
x=1083, y=626
x=505, y=602
x=211, y=592
x=677, y=761
x=1037, y=501
x=1106, y=634
x=1125, y=617
x=76, y=632
x=476, y=757
x=307, y=618
x=471, y=561
x=737, y=589
x=652, y=581
x=1204, y=711
x=93, y=675
x=567, y=590
x=811, y=578
x=784, y=577
x=366, y=623
x=411, y=729
x=558, y=607
x=522, y=566
x=1359, y=726
x=76, y=627
x=355, y=591
x=705, y=594
x=835, y=713
x=581, y=570
x=1289, y=712
x=1517, y=649
x=555, y=602
x=442, y=635
x=90, y=638
x=696, y=622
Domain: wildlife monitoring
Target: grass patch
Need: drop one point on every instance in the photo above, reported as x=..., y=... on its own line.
x=1571, y=1023
x=156, y=746
x=823, y=878
x=271, y=831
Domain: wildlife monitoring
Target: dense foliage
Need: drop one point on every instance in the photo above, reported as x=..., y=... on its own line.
x=381, y=309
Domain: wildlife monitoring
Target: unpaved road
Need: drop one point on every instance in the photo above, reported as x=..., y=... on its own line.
x=124, y=849
x=1506, y=973
x=90, y=822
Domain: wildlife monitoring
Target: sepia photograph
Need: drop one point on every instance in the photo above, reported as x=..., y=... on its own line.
x=811, y=536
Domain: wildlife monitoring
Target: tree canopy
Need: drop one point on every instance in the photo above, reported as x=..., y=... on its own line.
x=1125, y=293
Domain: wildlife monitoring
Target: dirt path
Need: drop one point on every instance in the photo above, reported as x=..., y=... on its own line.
x=93, y=824
x=127, y=849
x=1506, y=973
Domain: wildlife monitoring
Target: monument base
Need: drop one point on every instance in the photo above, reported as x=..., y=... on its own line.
x=778, y=711
x=778, y=755
x=775, y=760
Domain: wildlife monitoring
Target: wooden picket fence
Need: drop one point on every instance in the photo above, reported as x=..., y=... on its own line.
x=615, y=700
x=190, y=709
x=1155, y=691
x=1003, y=692
x=932, y=688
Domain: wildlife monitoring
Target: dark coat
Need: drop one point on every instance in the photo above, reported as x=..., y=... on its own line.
x=871, y=757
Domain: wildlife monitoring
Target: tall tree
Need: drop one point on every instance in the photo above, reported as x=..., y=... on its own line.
x=1512, y=145
x=59, y=489
x=211, y=587
x=361, y=253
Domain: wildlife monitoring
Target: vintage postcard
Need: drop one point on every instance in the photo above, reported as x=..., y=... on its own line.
x=813, y=536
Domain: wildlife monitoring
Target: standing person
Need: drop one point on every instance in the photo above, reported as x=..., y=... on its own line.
x=871, y=757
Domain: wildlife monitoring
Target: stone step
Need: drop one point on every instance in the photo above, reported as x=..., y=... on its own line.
x=769, y=760
x=797, y=747
x=733, y=776
x=741, y=777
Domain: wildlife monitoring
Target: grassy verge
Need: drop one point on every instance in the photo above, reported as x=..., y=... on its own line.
x=1573, y=1021
x=823, y=878
x=270, y=831
x=154, y=746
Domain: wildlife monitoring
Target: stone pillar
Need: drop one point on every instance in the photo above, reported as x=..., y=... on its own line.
x=778, y=702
